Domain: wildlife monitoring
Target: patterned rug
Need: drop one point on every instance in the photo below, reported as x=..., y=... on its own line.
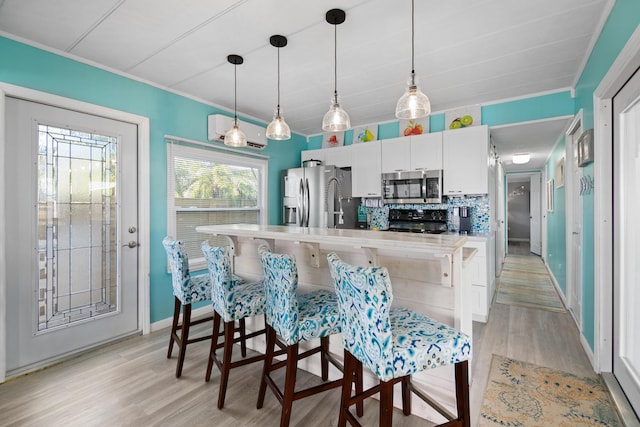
x=521, y=394
x=525, y=281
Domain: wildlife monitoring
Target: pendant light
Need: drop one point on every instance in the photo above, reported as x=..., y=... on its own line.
x=235, y=137
x=278, y=129
x=414, y=104
x=336, y=119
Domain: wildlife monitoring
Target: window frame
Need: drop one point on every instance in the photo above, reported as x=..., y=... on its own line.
x=197, y=261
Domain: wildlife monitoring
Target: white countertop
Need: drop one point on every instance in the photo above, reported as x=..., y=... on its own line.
x=429, y=243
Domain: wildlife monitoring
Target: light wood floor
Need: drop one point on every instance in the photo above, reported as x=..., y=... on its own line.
x=132, y=382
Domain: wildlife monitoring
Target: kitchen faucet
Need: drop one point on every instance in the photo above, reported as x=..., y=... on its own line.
x=340, y=213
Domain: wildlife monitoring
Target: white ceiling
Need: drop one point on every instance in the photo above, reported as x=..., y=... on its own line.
x=467, y=52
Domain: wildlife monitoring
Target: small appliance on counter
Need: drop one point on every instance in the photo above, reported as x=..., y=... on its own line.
x=465, y=219
x=432, y=221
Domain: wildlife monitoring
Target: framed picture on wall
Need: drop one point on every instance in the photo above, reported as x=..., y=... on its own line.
x=585, y=148
x=550, y=189
x=560, y=173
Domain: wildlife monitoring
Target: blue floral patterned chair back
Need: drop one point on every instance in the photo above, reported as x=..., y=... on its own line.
x=280, y=285
x=364, y=297
x=186, y=288
x=222, y=280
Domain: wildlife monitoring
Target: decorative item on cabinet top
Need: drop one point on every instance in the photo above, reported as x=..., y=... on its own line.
x=365, y=133
x=463, y=117
x=333, y=139
x=414, y=126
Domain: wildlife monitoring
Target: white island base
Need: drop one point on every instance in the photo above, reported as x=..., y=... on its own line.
x=426, y=273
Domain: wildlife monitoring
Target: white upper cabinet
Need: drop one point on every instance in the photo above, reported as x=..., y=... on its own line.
x=365, y=169
x=396, y=154
x=338, y=156
x=412, y=152
x=426, y=151
x=465, y=155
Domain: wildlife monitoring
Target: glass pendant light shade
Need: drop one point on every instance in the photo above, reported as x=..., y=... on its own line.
x=234, y=136
x=278, y=129
x=414, y=104
x=336, y=119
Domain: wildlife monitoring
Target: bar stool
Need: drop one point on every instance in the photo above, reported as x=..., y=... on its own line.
x=187, y=289
x=393, y=343
x=290, y=320
x=232, y=300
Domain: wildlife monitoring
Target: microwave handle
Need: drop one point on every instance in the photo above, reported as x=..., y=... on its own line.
x=424, y=187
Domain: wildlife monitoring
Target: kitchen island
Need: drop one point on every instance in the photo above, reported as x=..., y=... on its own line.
x=426, y=272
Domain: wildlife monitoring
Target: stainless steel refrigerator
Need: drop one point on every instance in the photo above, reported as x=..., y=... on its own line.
x=319, y=196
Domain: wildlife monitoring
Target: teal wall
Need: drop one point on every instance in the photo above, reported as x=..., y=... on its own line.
x=556, y=220
x=622, y=22
x=168, y=113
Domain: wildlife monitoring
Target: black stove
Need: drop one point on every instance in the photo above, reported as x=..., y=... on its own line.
x=432, y=221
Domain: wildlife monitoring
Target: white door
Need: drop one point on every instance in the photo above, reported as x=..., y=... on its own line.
x=71, y=211
x=535, y=213
x=626, y=250
x=574, y=286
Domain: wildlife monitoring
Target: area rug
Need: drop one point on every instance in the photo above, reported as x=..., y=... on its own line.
x=524, y=281
x=521, y=394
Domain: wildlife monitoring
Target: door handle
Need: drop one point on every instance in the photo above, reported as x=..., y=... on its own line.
x=131, y=244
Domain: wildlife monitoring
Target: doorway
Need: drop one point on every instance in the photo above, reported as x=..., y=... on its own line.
x=71, y=273
x=524, y=212
x=626, y=250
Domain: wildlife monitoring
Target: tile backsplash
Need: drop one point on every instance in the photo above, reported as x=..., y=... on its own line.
x=479, y=207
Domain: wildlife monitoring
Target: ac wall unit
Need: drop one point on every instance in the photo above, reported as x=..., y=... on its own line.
x=219, y=124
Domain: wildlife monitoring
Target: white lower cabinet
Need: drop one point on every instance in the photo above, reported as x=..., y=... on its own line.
x=478, y=272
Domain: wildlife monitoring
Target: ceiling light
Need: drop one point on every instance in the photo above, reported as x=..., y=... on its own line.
x=336, y=119
x=414, y=104
x=235, y=137
x=520, y=159
x=278, y=129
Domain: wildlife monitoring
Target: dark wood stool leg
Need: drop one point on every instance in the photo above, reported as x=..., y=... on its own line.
x=359, y=389
x=386, y=403
x=289, y=384
x=243, y=340
x=214, y=344
x=406, y=395
x=174, y=326
x=462, y=392
x=268, y=360
x=324, y=350
x=184, y=337
x=350, y=369
x=226, y=361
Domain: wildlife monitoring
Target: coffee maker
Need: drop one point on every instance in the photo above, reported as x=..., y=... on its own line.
x=465, y=219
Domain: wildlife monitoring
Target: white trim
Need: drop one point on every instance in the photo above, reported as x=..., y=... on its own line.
x=214, y=146
x=620, y=71
x=592, y=42
x=521, y=97
x=144, y=226
x=549, y=119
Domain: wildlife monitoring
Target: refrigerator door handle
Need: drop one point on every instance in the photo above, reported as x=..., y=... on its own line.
x=301, y=204
x=307, y=202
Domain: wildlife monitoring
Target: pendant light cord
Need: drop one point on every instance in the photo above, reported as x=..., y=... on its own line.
x=413, y=68
x=235, y=94
x=278, y=108
x=335, y=62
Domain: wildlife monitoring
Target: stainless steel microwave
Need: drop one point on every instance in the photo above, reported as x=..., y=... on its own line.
x=420, y=186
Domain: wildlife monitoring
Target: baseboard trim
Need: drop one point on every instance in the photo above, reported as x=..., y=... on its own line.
x=627, y=415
